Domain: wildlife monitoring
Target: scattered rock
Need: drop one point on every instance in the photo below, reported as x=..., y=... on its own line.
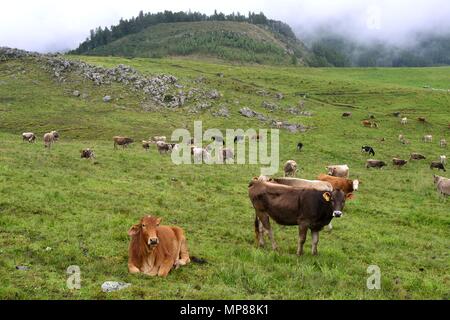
x=279, y=96
x=76, y=93
x=213, y=94
x=48, y=249
x=269, y=106
x=106, y=98
x=110, y=286
x=24, y=268
x=222, y=112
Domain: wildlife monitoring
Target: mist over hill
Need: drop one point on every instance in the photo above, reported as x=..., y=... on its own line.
x=254, y=38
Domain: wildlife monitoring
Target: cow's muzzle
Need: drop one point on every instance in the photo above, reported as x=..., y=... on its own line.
x=153, y=241
x=337, y=214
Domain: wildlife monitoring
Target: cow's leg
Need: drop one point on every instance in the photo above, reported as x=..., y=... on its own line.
x=302, y=231
x=165, y=267
x=264, y=219
x=132, y=268
x=315, y=241
x=259, y=232
x=330, y=226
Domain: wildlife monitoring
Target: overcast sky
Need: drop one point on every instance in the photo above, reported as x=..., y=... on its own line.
x=49, y=25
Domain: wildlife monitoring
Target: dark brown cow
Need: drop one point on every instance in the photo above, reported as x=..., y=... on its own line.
x=399, y=162
x=154, y=249
x=122, y=141
x=438, y=165
x=87, y=153
x=346, y=114
x=309, y=209
x=416, y=156
x=375, y=164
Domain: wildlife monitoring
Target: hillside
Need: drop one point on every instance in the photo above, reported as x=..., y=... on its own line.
x=58, y=210
x=226, y=40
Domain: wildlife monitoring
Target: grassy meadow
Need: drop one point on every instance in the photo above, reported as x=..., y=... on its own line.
x=82, y=210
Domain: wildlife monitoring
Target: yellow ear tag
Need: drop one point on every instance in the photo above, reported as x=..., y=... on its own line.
x=326, y=196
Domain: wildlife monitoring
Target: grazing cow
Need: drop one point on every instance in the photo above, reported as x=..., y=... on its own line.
x=199, y=154
x=442, y=185
x=367, y=123
x=299, y=146
x=427, y=138
x=399, y=162
x=346, y=114
x=226, y=154
x=368, y=149
x=290, y=168
x=163, y=147
x=341, y=170
x=422, y=119
x=28, y=136
x=155, y=249
x=416, y=156
x=278, y=124
x=122, y=141
x=158, y=138
x=238, y=138
x=404, y=120
x=146, y=144
x=375, y=164
x=257, y=137
x=396, y=114
x=174, y=146
x=87, y=153
x=443, y=143
x=438, y=165
x=302, y=183
x=346, y=185
x=50, y=137
x=443, y=159
x=309, y=209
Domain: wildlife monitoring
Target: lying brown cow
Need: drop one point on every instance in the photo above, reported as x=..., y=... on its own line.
x=375, y=164
x=309, y=209
x=343, y=184
x=154, y=249
x=87, y=153
x=416, y=156
x=399, y=162
x=122, y=141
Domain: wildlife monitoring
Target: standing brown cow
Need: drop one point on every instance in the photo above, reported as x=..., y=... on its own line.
x=154, y=249
x=309, y=209
x=122, y=141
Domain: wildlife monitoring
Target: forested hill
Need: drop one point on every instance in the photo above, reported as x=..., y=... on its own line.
x=253, y=38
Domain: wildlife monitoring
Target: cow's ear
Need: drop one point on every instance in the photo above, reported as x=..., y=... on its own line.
x=327, y=196
x=350, y=196
x=134, y=229
x=158, y=221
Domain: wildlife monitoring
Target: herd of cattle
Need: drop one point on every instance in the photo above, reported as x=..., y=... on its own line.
x=310, y=204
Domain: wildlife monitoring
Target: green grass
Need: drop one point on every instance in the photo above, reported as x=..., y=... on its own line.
x=83, y=210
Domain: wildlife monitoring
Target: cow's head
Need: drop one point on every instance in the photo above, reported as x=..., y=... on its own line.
x=147, y=229
x=337, y=199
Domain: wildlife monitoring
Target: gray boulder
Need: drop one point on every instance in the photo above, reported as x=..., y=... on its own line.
x=109, y=286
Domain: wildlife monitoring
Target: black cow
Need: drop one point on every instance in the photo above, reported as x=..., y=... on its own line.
x=368, y=149
x=299, y=146
x=309, y=209
x=438, y=165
